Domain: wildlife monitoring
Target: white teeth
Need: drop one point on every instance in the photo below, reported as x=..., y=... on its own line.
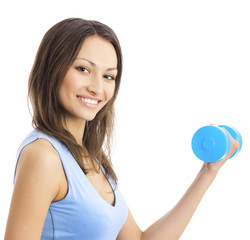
x=90, y=101
x=87, y=100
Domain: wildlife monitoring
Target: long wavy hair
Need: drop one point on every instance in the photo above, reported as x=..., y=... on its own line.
x=56, y=53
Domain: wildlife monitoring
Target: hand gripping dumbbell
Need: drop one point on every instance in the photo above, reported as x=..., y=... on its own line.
x=212, y=143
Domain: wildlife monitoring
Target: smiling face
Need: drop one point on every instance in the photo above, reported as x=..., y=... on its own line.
x=90, y=81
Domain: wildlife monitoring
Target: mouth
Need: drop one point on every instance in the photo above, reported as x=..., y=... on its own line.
x=89, y=101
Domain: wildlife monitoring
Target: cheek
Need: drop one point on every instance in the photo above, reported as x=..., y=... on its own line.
x=65, y=90
x=62, y=91
x=68, y=85
x=110, y=91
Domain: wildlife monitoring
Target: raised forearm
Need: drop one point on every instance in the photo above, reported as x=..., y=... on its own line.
x=172, y=225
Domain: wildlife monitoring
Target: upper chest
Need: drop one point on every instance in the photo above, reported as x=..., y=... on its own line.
x=92, y=185
x=102, y=186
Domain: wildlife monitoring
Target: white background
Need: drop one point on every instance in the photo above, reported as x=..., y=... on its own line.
x=186, y=65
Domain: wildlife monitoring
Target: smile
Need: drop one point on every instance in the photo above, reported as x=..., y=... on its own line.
x=90, y=102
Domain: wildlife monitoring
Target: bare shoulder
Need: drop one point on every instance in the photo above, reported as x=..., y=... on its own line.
x=38, y=155
x=39, y=149
x=38, y=183
x=40, y=163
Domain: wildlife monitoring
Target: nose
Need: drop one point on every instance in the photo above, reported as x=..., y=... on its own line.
x=95, y=85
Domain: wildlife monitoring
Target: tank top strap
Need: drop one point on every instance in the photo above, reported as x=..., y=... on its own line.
x=33, y=136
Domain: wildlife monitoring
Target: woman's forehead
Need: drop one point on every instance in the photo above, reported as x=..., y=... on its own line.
x=98, y=51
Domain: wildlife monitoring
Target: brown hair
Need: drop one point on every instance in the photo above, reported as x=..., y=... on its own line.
x=56, y=53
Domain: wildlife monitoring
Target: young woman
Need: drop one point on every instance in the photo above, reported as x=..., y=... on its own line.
x=65, y=186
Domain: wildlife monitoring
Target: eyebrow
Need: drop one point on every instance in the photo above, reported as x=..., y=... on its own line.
x=93, y=64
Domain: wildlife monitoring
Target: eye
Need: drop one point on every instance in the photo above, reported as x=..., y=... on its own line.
x=82, y=69
x=109, y=77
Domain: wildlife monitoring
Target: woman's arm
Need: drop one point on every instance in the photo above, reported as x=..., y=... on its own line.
x=37, y=184
x=172, y=225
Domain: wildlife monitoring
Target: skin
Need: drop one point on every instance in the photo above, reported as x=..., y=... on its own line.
x=40, y=177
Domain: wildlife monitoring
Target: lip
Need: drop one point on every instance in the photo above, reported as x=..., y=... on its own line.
x=88, y=104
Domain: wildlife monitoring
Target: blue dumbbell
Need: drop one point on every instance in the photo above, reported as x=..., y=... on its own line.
x=212, y=143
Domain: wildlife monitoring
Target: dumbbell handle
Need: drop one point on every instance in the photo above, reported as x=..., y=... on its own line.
x=212, y=143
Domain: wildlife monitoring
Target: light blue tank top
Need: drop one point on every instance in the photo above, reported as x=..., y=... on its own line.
x=83, y=213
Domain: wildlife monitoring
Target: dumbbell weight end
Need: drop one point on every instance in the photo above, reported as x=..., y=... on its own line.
x=212, y=143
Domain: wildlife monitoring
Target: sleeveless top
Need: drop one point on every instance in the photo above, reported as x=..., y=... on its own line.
x=83, y=213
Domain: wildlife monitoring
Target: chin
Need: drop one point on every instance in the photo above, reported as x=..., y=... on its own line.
x=89, y=118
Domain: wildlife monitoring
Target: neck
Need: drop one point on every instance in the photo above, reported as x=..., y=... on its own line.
x=76, y=128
